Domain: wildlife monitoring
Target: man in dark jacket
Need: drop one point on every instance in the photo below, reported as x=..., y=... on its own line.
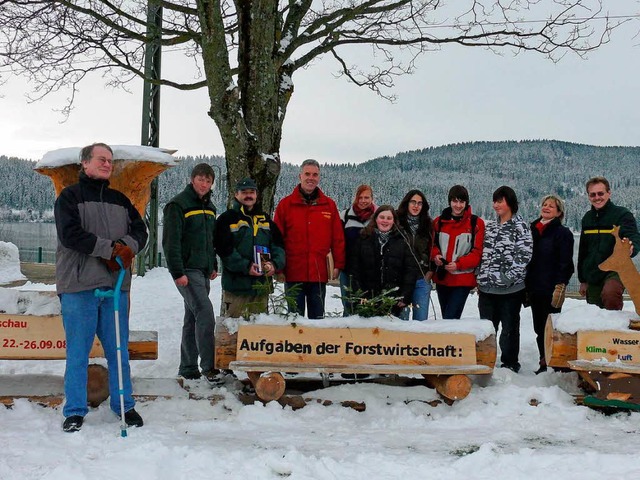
x=596, y=245
x=95, y=224
x=251, y=249
x=188, y=243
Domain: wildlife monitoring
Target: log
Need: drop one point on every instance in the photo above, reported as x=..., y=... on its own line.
x=452, y=387
x=226, y=345
x=268, y=385
x=559, y=347
x=562, y=348
x=97, y=385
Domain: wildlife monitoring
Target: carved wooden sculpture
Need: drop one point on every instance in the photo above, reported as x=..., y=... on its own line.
x=620, y=262
x=132, y=175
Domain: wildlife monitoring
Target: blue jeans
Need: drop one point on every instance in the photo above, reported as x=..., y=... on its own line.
x=419, y=300
x=311, y=293
x=505, y=310
x=84, y=316
x=452, y=300
x=197, y=326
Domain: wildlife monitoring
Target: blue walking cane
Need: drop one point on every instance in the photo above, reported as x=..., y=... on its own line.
x=115, y=294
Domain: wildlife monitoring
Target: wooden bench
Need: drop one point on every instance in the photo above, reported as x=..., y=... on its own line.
x=444, y=359
x=606, y=359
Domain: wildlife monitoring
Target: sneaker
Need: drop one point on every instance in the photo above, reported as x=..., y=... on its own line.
x=214, y=378
x=73, y=423
x=133, y=418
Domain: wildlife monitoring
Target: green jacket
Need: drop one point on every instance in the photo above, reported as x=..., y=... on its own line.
x=188, y=233
x=236, y=234
x=596, y=241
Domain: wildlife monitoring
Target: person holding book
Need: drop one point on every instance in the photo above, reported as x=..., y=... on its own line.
x=251, y=249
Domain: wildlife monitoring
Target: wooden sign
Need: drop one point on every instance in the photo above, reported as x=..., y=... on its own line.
x=372, y=346
x=34, y=337
x=609, y=345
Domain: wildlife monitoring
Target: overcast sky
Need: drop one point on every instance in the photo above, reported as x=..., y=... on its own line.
x=456, y=95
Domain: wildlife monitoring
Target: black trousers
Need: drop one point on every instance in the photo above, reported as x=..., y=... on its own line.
x=504, y=310
x=540, y=309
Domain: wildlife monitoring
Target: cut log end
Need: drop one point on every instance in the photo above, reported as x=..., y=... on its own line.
x=452, y=387
x=269, y=386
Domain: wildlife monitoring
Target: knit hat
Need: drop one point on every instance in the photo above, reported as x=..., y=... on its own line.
x=246, y=184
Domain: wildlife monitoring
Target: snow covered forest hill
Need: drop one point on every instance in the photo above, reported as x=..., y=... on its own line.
x=533, y=168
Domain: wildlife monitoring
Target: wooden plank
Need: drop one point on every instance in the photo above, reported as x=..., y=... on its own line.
x=610, y=345
x=32, y=337
x=591, y=366
x=249, y=366
x=354, y=346
x=226, y=348
x=49, y=389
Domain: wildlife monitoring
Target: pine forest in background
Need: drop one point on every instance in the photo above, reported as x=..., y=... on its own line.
x=532, y=168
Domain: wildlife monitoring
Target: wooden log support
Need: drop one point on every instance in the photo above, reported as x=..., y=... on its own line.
x=452, y=387
x=559, y=347
x=268, y=385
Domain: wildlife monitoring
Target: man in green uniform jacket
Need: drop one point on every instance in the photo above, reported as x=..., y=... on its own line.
x=251, y=249
x=596, y=245
x=188, y=243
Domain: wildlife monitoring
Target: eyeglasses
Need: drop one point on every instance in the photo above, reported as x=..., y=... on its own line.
x=417, y=203
x=596, y=194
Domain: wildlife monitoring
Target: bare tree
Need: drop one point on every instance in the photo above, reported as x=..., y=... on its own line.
x=245, y=52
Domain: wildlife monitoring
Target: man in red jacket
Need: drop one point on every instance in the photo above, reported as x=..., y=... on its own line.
x=311, y=228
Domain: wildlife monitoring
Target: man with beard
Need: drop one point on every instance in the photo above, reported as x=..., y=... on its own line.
x=251, y=249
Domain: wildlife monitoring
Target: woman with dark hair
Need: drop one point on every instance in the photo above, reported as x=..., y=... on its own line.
x=506, y=252
x=382, y=260
x=417, y=228
x=550, y=269
x=457, y=251
x=354, y=219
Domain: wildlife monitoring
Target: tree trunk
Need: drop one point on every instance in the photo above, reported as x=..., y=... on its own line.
x=249, y=115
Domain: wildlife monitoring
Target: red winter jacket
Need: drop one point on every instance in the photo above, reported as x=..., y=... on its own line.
x=310, y=232
x=453, y=242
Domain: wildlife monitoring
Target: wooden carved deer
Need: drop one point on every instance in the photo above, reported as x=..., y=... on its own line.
x=620, y=261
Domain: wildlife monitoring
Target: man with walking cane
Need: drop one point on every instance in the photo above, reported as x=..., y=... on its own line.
x=95, y=226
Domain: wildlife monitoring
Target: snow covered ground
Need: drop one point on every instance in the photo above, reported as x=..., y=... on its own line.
x=513, y=426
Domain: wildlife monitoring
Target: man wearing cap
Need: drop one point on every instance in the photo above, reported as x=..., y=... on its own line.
x=311, y=227
x=603, y=289
x=251, y=249
x=188, y=244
